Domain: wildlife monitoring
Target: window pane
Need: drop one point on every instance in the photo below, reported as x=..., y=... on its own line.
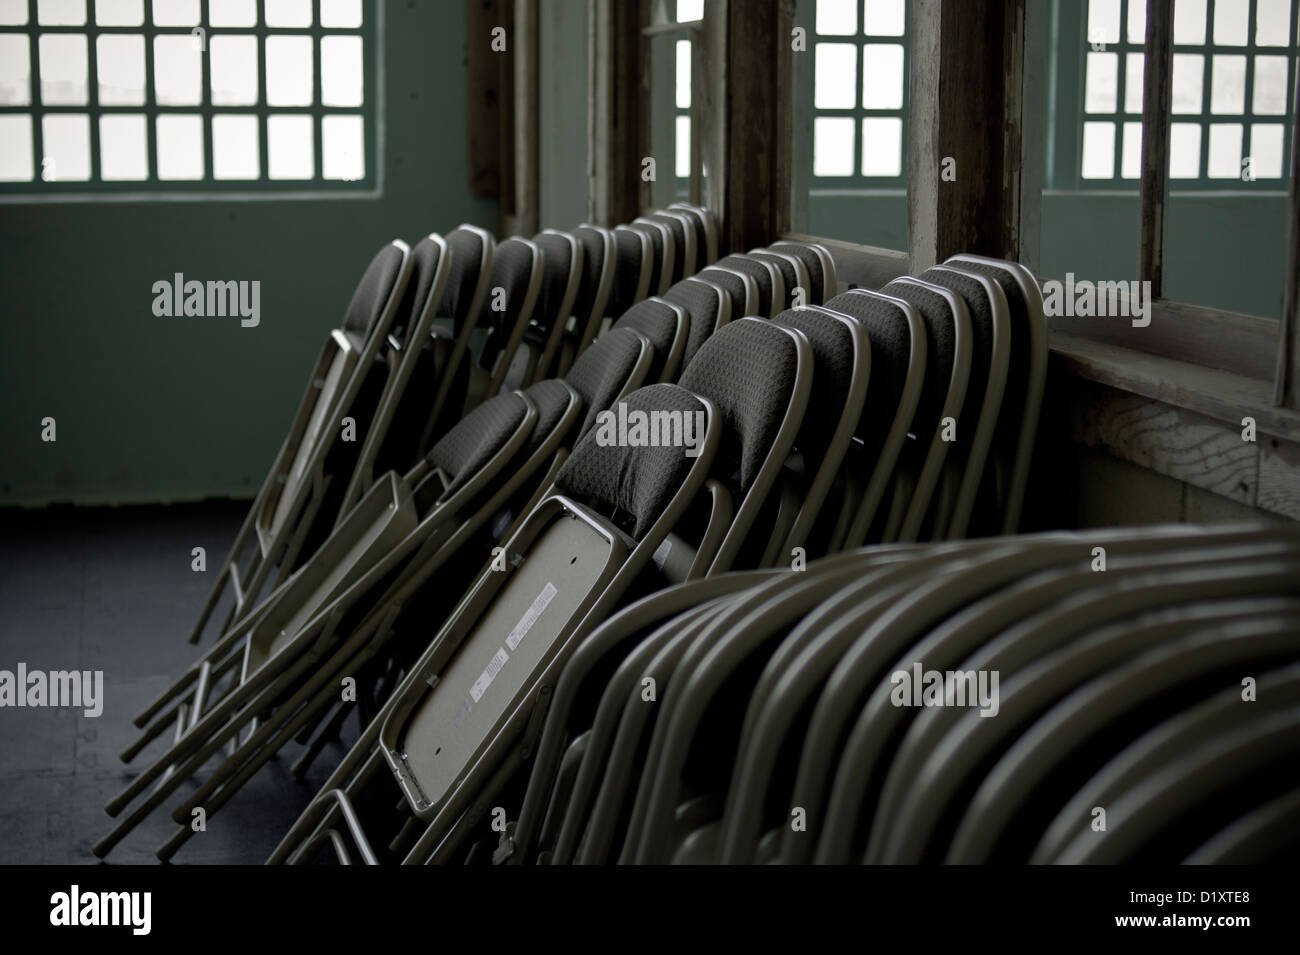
x=1133, y=79
x=838, y=17
x=882, y=146
x=343, y=148
x=883, y=17
x=63, y=69
x=15, y=69
x=288, y=70
x=235, y=147
x=288, y=13
x=1184, y=151
x=1137, y=21
x=119, y=63
x=687, y=10
x=1266, y=150
x=16, y=147
x=1230, y=19
x=1228, y=85
x=1189, y=21
x=180, y=146
x=1188, y=70
x=882, y=76
x=119, y=13
x=123, y=147
x=1131, y=158
x=683, y=80
x=13, y=13
x=1270, y=97
x=836, y=79
x=61, y=13
x=1102, y=83
x=66, y=138
x=341, y=76
x=232, y=13
x=177, y=70
x=1272, y=22
x=1098, y=150
x=682, y=163
x=1225, y=151
x=346, y=14
x=1103, y=21
x=234, y=70
x=176, y=13
x=832, y=146
x=290, y=151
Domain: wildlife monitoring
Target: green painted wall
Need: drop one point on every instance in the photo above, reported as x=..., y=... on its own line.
x=1226, y=251
x=157, y=409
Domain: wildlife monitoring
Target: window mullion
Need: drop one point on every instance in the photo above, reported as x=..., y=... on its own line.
x=1156, y=101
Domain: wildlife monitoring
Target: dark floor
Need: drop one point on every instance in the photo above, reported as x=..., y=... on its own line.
x=112, y=589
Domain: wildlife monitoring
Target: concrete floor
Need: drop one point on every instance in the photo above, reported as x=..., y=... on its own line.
x=112, y=589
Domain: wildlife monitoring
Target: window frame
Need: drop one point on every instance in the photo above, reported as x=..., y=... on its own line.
x=151, y=188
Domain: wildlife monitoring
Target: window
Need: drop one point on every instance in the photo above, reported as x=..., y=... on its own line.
x=859, y=124
x=1234, y=64
x=186, y=96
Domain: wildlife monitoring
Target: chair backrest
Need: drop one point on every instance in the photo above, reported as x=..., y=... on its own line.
x=771, y=287
x=374, y=292
x=598, y=267
x=471, y=251
x=665, y=325
x=706, y=232
x=740, y=288
x=512, y=299
x=758, y=375
x=820, y=265
x=634, y=260
x=614, y=364
x=793, y=276
x=663, y=249
x=685, y=258
x=635, y=483
x=709, y=307
x=562, y=274
x=463, y=450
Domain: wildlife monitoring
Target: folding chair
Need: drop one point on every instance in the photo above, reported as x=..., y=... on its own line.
x=1028, y=373
x=562, y=273
x=516, y=286
x=794, y=276
x=683, y=234
x=905, y=827
x=293, y=493
x=739, y=286
x=708, y=306
x=706, y=231
x=412, y=327
x=759, y=375
x=1105, y=651
x=842, y=363
x=598, y=267
x=666, y=326
x=817, y=260
x=938, y=418
x=899, y=357
x=990, y=319
x=663, y=252
x=397, y=518
x=446, y=739
x=635, y=270
x=766, y=276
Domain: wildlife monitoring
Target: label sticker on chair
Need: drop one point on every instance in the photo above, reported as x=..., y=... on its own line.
x=530, y=616
x=488, y=675
x=660, y=556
